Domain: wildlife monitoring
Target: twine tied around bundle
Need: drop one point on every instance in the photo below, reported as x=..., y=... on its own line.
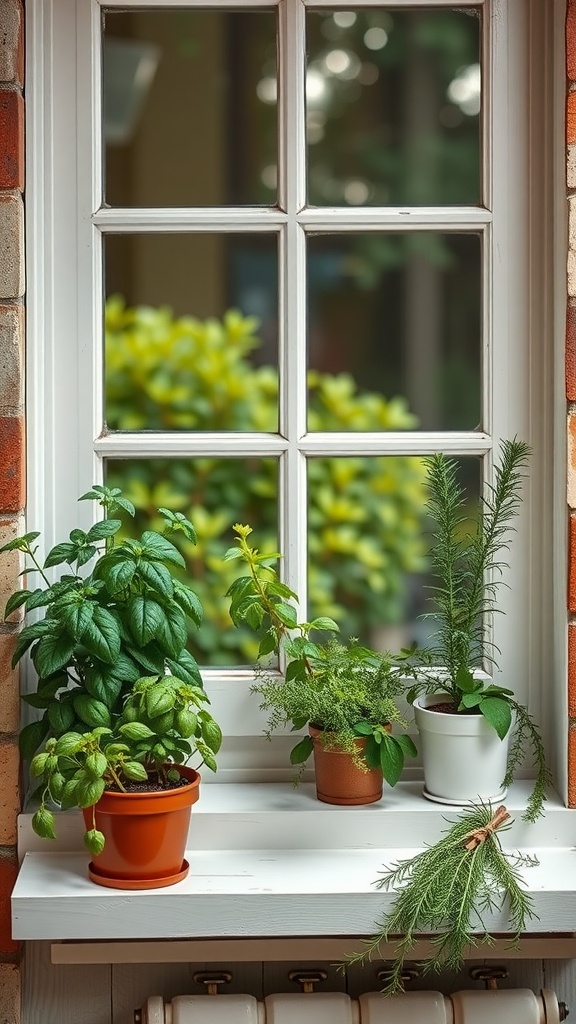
x=480, y=835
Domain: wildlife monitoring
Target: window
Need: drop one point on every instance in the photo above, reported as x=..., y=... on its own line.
x=353, y=196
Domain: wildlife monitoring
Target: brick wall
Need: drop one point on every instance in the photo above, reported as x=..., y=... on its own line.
x=12, y=468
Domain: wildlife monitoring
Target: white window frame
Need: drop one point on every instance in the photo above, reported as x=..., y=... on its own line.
x=65, y=223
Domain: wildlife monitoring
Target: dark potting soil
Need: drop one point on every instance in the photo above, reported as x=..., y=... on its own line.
x=448, y=708
x=154, y=784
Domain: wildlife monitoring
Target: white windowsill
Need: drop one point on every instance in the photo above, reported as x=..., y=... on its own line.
x=271, y=860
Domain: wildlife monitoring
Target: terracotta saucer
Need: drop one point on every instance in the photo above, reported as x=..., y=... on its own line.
x=138, y=883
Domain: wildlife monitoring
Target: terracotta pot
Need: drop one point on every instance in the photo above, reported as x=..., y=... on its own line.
x=146, y=835
x=338, y=779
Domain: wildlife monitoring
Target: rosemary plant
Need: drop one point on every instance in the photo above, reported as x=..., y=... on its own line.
x=466, y=557
x=346, y=690
x=447, y=890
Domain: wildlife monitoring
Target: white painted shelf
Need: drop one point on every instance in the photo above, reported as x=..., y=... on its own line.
x=269, y=860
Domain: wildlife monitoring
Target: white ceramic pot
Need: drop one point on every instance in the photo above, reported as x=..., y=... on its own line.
x=463, y=757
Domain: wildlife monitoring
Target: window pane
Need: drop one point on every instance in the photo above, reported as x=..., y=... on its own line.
x=394, y=331
x=369, y=542
x=189, y=107
x=191, y=332
x=393, y=102
x=213, y=493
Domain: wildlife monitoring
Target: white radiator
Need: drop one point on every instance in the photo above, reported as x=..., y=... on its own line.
x=504, y=1006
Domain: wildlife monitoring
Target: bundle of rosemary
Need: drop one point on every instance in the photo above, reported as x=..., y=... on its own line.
x=446, y=889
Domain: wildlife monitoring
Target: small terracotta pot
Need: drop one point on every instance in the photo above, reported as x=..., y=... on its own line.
x=338, y=779
x=146, y=835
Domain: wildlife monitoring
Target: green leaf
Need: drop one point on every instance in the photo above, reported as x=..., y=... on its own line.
x=60, y=716
x=53, y=653
x=89, y=792
x=498, y=713
x=31, y=736
x=20, y=543
x=287, y=614
x=391, y=759
x=39, y=598
x=159, y=548
x=28, y=635
x=68, y=795
x=104, y=686
x=94, y=841
x=301, y=752
x=136, y=731
x=103, y=529
x=102, y=635
x=134, y=770
x=177, y=521
x=324, y=622
x=157, y=577
x=151, y=657
x=96, y=764
x=38, y=764
x=43, y=823
x=465, y=681
x=117, y=571
x=363, y=729
x=159, y=699
x=212, y=735
x=186, y=669
x=372, y=752
x=77, y=618
x=406, y=743
x=145, y=618
x=471, y=700
x=93, y=712
x=65, y=552
x=69, y=744
x=267, y=645
x=171, y=632
x=189, y=602
x=15, y=601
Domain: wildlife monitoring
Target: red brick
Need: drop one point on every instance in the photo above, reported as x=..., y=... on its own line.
x=8, y=873
x=571, y=40
x=572, y=765
x=571, y=354
x=9, y=685
x=12, y=464
x=9, y=792
x=12, y=135
x=571, y=118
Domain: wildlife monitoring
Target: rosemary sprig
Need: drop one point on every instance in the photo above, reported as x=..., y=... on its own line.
x=447, y=889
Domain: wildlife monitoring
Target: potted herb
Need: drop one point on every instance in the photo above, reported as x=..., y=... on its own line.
x=122, y=702
x=345, y=693
x=464, y=722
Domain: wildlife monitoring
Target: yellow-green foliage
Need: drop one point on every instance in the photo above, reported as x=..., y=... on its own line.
x=365, y=514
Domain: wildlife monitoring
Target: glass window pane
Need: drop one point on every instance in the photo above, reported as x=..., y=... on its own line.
x=394, y=331
x=213, y=493
x=393, y=103
x=191, y=332
x=190, y=107
x=369, y=543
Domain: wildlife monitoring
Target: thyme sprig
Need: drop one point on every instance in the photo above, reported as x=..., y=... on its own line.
x=447, y=890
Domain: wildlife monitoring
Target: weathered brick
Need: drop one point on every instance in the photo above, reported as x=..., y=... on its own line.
x=571, y=40
x=9, y=685
x=11, y=563
x=11, y=42
x=12, y=464
x=571, y=118
x=570, y=353
x=571, y=467
x=11, y=360
x=8, y=873
x=571, y=167
x=571, y=274
x=12, y=135
x=572, y=564
x=10, y=994
x=9, y=792
x=11, y=247
x=572, y=671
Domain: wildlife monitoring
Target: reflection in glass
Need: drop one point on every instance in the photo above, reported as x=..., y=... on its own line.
x=398, y=316
x=393, y=103
x=189, y=107
x=191, y=332
x=368, y=550
x=213, y=493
